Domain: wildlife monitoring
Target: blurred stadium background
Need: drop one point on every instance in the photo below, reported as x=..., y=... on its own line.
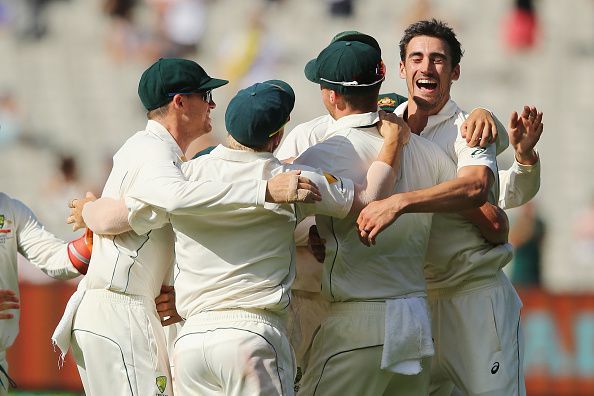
x=68, y=77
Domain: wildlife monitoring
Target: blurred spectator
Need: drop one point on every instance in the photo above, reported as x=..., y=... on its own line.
x=181, y=24
x=252, y=54
x=10, y=118
x=60, y=189
x=584, y=239
x=340, y=8
x=420, y=10
x=123, y=39
x=521, y=26
x=526, y=234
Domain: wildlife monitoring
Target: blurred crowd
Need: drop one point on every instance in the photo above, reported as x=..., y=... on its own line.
x=140, y=31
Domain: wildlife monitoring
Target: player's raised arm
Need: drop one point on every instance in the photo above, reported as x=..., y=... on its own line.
x=521, y=181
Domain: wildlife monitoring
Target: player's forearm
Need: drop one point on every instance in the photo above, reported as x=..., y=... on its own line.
x=379, y=182
x=518, y=184
x=381, y=175
x=183, y=197
x=491, y=221
x=106, y=216
x=451, y=196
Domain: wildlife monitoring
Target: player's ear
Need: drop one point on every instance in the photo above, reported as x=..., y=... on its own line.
x=402, y=70
x=456, y=72
x=178, y=101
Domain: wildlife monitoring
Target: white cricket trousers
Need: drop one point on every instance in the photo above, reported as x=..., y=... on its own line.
x=234, y=353
x=119, y=346
x=478, y=339
x=346, y=354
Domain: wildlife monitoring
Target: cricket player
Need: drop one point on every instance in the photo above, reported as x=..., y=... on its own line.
x=309, y=307
x=21, y=232
x=233, y=285
x=475, y=309
x=377, y=337
x=117, y=338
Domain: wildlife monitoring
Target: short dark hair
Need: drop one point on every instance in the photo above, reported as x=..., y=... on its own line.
x=366, y=100
x=432, y=28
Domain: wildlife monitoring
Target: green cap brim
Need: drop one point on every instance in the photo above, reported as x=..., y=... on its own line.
x=213, y=83
x=311, y=70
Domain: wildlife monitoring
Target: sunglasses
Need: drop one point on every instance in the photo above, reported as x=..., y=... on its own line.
x=206, y=95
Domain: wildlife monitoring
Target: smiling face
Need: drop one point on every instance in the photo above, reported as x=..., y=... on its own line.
x=428, y=70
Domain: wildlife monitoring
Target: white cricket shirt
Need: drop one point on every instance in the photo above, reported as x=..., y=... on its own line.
x=394, y=266
x=147, y=165
x=239, y=257
x=457, y=252
x=21, y=232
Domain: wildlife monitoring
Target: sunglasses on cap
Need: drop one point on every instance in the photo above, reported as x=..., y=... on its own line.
x=206, y=95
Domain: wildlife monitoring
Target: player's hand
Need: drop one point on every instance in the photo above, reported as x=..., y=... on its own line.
x=165, y=303
x=8, y=300
x=289, y=187
x=316, y=245
x=76, y=206
x=393, y=128
x=375, y=217
x=479, y=128
x=524, y=133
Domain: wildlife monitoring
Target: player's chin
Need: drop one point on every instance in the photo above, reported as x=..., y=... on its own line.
x=207, y=127
x=425, y=102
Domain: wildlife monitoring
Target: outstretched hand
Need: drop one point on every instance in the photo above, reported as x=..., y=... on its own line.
x=524, y=132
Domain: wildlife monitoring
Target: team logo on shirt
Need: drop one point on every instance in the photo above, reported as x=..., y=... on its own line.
x=1, y=221
x=478, y=151
x=161, y=383
x=386, y=102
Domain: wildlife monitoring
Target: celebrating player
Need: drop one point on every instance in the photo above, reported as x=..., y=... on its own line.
x=475, y=309
x=233, y=285
x=21, y=232
x=118, y=341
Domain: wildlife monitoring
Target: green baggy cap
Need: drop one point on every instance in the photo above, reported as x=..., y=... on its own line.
x=170, y=76
x=347, y=67
x=258, y=111
x=353, y=35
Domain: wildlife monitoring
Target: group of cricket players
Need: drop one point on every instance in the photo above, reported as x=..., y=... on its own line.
x=359, y=254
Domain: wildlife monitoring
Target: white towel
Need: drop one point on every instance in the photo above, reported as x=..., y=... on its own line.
x=407, y=336
x=63, y=332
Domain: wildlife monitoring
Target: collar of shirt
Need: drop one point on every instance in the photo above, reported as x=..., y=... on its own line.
x=239, y=155
x=364, y=120
x=448, y=111
x=158, y=130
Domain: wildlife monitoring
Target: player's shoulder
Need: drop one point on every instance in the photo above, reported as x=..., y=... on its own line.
x=143, y=146
x=312, y=126
x=12, y=205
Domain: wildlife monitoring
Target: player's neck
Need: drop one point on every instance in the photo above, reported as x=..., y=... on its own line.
x=415, y=118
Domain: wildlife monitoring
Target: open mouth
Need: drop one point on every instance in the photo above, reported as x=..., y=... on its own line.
x=426, y=84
